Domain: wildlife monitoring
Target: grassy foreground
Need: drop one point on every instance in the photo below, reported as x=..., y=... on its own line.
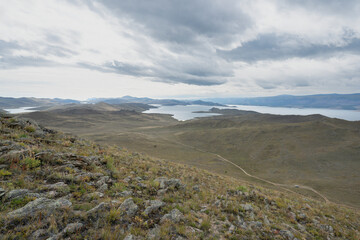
x=56, y=186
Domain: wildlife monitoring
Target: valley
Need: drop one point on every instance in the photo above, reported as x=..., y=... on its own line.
x=314, y=152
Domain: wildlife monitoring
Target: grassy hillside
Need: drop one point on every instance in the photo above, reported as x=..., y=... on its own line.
x=312, y=151
x=61, y=187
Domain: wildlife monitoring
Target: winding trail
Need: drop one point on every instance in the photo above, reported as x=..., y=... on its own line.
x=282, y=186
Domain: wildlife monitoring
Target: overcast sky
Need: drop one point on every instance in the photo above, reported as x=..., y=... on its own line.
x=178, y=48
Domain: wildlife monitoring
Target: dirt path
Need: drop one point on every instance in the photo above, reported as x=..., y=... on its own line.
x=282, y=186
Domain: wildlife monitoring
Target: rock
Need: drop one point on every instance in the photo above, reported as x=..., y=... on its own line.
x=129, y=207
x=94, y=195
x=287, y=234
x=301, y=217
x=292, y=216
x=266, y=220
x=247, y=207
x=98, y=210
x=16, y=155
x=196, y=188
x=103, y=180
x=255, y=224
x=56, y=186
x=154, y=233
x=129, y=237
x=165, y=182
x=124, y=194
x=142, y=185
x=2, y=192
x=301, y=228
x=154, y=206
x=2, y=166
x=40, y=204
x=103, y=188
x=73, y=228
x=39, y=234
x=327, y=228
x=127, y=179
x=174, y=216
x=232, y=229
x=162, y=191
x=17, y=193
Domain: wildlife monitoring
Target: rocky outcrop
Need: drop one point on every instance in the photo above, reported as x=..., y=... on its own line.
x=40, y=204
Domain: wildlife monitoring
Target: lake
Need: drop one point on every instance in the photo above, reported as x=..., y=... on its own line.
x=21, y=110
x=183, y=113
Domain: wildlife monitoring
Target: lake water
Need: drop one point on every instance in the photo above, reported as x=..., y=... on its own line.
x=350, y=115
x=183, y=113
x=21, y=110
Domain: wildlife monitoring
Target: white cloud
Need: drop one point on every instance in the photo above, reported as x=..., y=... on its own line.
x=162, y=49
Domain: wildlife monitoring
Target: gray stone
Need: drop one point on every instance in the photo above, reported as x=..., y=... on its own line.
x=154, y=233
x=124, y=194
x=39, y=204
x=165, y=182
x=174, y=216
x=162, y=191
x=154, y=206
x=39, y=234
x=255, y=224
x=247, y=207
x=73, y=228
x=196, y=188
x=98, y=210
x=287, y=234
x=129, y=207
x=56, y=186
x=2, y=192
x=17, y=193
x=103, y=188
x=266, y=220
x=129, y=237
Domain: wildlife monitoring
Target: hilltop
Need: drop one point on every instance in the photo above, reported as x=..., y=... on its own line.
x=58, y=186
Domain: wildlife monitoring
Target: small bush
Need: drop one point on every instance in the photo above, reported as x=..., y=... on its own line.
x=205, y=225
x=30, y=129
x=4, y=173
x=242, y=189
x=30, y=163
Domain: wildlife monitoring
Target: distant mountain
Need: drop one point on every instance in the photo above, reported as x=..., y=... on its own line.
x=166, y=102
x=8, y=102
x=334, y=101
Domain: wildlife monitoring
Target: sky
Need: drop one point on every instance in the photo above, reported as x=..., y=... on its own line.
x=178, y=48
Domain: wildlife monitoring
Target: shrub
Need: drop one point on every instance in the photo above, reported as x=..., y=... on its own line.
x=30, y=129
x=30, y=163
x=4, y=173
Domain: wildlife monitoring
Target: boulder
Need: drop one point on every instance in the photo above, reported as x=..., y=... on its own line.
x=166, y=183
x=154, y=205
x=98, y=210
x=174, y=216
x=129, y=207
x=40, y=204
x=72, y=228
x=247, y=207
x=2, y=192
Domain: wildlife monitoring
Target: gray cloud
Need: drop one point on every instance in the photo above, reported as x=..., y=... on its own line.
x=274, y=47
x=184, y=22
x=188, y=41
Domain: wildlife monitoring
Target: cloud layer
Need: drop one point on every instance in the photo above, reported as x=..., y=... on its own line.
x=200, y=47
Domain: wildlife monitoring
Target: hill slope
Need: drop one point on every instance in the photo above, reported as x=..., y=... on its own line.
x=59, y=186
